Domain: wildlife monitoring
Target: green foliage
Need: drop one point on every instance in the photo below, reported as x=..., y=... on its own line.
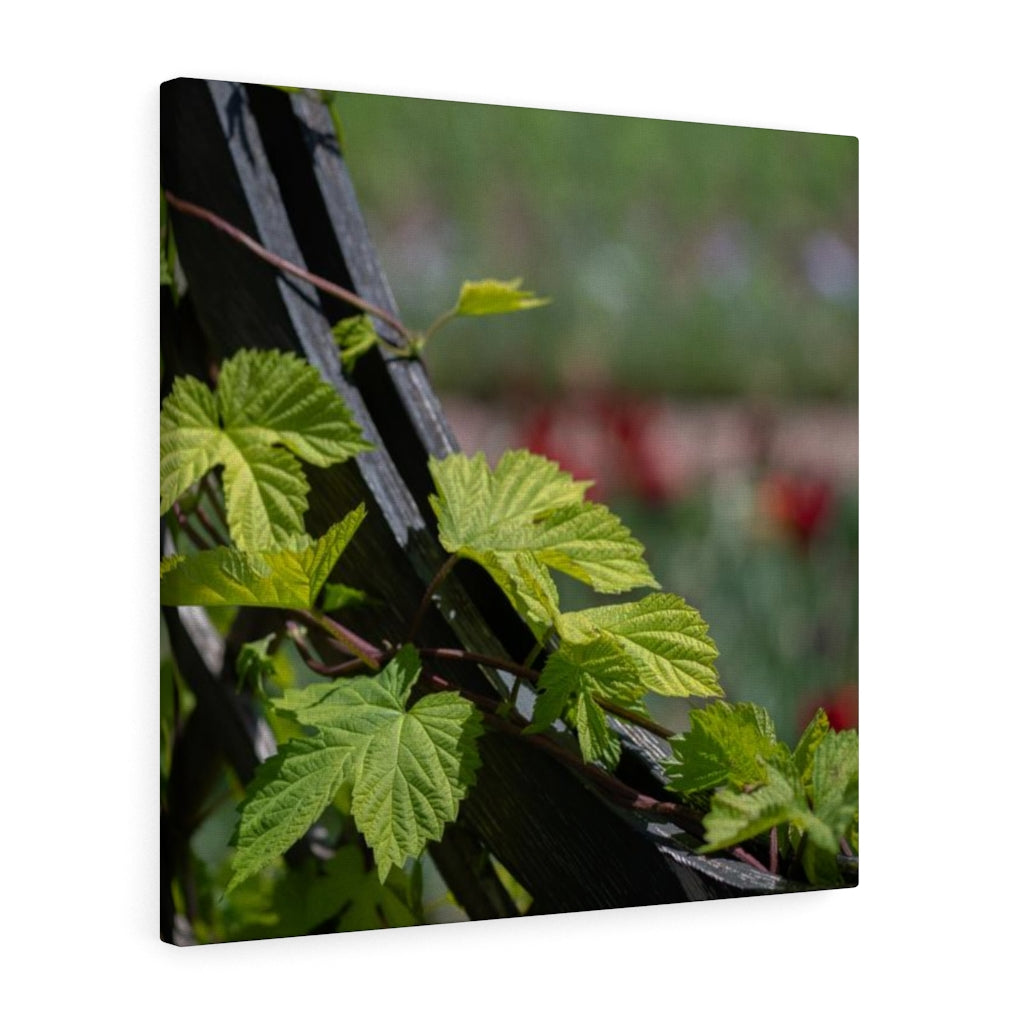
x=726, y=744
x=665, y=640
x=271, y=409
x=762, y=785
x=400, y=767
x=285, y=798
x=255, y=662
x=407, y=770
x=486, y=298
x=339, y=893
x=526, y=517
x=289, y=576
x=574, y=677
x=354, y=336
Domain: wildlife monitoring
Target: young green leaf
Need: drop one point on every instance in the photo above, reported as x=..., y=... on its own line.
x=664, y=637
x=803, y=754
x=485, y=298
x=354, y=335
x=762, y=785
x=727, y=743
x=285, y=798
x=340, y=595
x=572, y=678
x=410, y=768
x=271, y=409
x=255, y=662
x=738, y=815
x=835, y=780
x=286, y=577
x=474, y=503
x=527, y=515
x=597, y=741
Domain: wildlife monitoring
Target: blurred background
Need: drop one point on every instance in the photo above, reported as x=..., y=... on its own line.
x=698, y=359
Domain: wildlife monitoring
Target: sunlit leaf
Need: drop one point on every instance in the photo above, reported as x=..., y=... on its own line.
x=271, y=409
x=484, y=298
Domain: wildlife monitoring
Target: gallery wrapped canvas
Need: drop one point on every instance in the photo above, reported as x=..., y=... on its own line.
x=536, y=592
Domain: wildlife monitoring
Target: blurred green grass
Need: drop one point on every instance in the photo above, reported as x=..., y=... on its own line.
x=725, y=257
x=698, y=262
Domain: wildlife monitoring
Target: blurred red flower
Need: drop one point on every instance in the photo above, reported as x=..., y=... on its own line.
x=800, y=507
x=840, y=706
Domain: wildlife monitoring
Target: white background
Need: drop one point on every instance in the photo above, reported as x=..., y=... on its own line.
x=935, y=101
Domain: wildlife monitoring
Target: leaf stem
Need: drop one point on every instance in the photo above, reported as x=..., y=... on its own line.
x=443, y=319
x=211, y=528
x=189, y=530
x=321, y=668
x=773, y=850
x=206, y=485
x=350, y=642
x=439, y=578
x=748, y=858
x=514, y=693
x=194, y=210
x=538, y=647
x=457, y=654
x=625, y=795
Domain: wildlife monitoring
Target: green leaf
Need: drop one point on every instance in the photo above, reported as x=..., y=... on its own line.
x=589, y=543
x=473, y=504
x=597, y=741
x=339, y=595
x=803, y=754
x=285, y=798
x=574, y=677
x=410, y=769
x=598, y=667
x=271, y=409
x=255, y=662
x=665, y=638
x=287, y=577
x=526, y=516
x=818, y=816
x=485, y=298
x=354, y=335
x=726, y=743
x=316, y=892
x=835, y=781
x=737, y=815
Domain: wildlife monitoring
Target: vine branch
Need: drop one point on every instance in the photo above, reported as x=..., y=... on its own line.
x=189, y=530
x=439, y=578
x=457, y=654
x=348, y=641
x=250, y=243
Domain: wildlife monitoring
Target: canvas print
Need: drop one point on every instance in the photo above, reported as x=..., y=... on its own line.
x=508, y=495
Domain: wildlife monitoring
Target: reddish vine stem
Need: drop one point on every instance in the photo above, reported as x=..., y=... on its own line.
x=215, y=501
x=211, y=528
x=320, y=667
x=748, y=858
x=618, y=790
x=439, y=578
x=773, y=850
x=344, y=638
x=456, y=654
x=194, y=210
x=189, y=530
x=521, y=671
